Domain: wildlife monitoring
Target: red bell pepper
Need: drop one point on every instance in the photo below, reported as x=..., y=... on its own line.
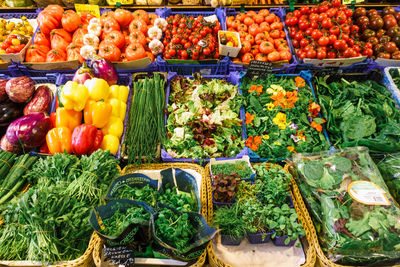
x=83, y=139
x=97, y=141
x=53, y=119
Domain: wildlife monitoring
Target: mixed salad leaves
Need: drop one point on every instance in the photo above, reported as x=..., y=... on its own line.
x=282, y=117
x=353, y=228
x=203, y=120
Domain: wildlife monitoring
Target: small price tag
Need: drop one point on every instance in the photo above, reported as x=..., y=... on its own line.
x=92, y=9
x=368, y=193
x=119, y=255
x=260, y=67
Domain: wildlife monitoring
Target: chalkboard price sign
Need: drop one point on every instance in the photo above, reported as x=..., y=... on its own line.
x=119, y=255
x=260, y=67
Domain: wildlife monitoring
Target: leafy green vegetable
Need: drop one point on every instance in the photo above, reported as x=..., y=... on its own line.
x=180, y=201
x=240, y=167
x=390, y=170
x=145, y=194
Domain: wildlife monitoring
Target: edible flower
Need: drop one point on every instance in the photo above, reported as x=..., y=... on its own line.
x=301, y=136
x=266, y=136
x=270, y=106
x=290, y=148
x=249, y=118
x=317, y=126
x=274, y=89
x=277, y=143
x=293, y=126
x=300, y=82
x=256, y=88
x=285, y=99
x=295, y=138
x=253, y=142
x=280, y=120
x=314, y=109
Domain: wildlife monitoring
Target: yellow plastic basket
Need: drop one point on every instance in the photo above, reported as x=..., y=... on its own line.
x=161, y=166
x=216, y=262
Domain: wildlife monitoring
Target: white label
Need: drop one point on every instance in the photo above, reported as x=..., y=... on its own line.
x=368, y=193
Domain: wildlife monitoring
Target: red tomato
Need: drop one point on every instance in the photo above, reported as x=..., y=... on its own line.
x=141, y=14
x=247, y=57
x=260, y=37
x=123, y=17
x=110, y=25
x=270, y=18
x=285, y=55
x=60, y=39
x=138, y=25
x=41, y=39
x=274, y=56
x=311, y=53
x=137, y=37
x=323, y=41
x=73, y=52
x=246, y=46
x=266, y=47
x=36, y=53
x=261, y=57
x=135, y=51
x=56, y=55
x=116, y=38
x=250, y=39
x=109, y=51
x=105, y=16
x=254, y=29
x=70, y=20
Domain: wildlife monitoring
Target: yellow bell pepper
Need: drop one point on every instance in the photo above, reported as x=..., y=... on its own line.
x=120, y=92
x=111, y=143
x=97, y=113
x=114, y=127
x=118, y=108
x=74, y=96
x=98, y=89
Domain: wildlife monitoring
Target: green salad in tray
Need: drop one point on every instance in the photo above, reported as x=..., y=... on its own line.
x=359, y=113
x=356, y=218
x=203, y=120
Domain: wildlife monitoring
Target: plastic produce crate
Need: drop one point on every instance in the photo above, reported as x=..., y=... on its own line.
x=233, y=78
x=287, y=68
x=220, y=68
x=389, y=83
x=306, y=75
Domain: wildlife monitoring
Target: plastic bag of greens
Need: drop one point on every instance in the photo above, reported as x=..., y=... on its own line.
x=180, y=235
x=179, y=190
x=134, y=186
x=18, y=3
x=123, y=222
x=360, y=220
x=390, y=170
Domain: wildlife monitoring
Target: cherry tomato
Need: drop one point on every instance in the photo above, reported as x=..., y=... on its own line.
x=323, y=41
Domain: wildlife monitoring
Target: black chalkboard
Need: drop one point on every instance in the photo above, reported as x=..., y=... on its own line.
x=260, y=67
x=119, y=255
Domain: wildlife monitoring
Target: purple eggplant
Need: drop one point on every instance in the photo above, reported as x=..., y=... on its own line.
x=83, y=73
x=104, y=69
x=29, y=130
x=20, y=89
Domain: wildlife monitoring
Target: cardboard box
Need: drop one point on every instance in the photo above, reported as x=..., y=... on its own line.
x=229, y=50
x=334, y=62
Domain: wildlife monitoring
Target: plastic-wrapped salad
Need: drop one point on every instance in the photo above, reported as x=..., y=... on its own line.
x=356, y=219
x=203, y=119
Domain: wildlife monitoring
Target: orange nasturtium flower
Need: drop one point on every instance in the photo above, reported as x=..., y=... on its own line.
x=291, y=98
x=291, y=148
x=249, y=118
x=285, y=99
x=253, y=142
x=257, y=88
x=317, y=126
x=300, y=82
x=314, y=109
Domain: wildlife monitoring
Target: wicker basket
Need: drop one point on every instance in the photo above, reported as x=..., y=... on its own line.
x=86, y=260
x=322, y=259
x=216, y=262
x=203, y=199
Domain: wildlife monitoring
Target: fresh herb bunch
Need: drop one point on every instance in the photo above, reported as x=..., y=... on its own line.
x=362, y=234
x=145, y=130
x=203, y=120
x=182, y=201
x=174, y=228
x=282, y=117
x=45, y=223
x=240, y=167
x=119, y=221
x=7, y=160
x=229, y=221
x=272, y=184
x=246, y=190
x=390, y=170
x=224, y=187
x=145, y=194
x=360, y=113
x=284, y=221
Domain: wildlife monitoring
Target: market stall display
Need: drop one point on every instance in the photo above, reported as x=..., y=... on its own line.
x=349, y=221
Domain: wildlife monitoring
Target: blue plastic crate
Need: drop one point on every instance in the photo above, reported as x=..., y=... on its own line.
x=288, y=68
x=17, y=15
x=389, y=84
x=306, y=75
x=233, y=78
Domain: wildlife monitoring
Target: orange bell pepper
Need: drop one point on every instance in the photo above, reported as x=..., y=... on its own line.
x=59, y=140
x=97, y=113
x=68, y=118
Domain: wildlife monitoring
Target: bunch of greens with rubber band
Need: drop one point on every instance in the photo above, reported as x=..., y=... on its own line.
x=282, y=117
x=355, y=228
x=360, y=114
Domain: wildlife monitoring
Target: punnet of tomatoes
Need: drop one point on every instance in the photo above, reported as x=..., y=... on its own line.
x=15, y=34
x=118, y=35
x=262, y=36
x=187, y=37
x=326, y=31
x=381, y=29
